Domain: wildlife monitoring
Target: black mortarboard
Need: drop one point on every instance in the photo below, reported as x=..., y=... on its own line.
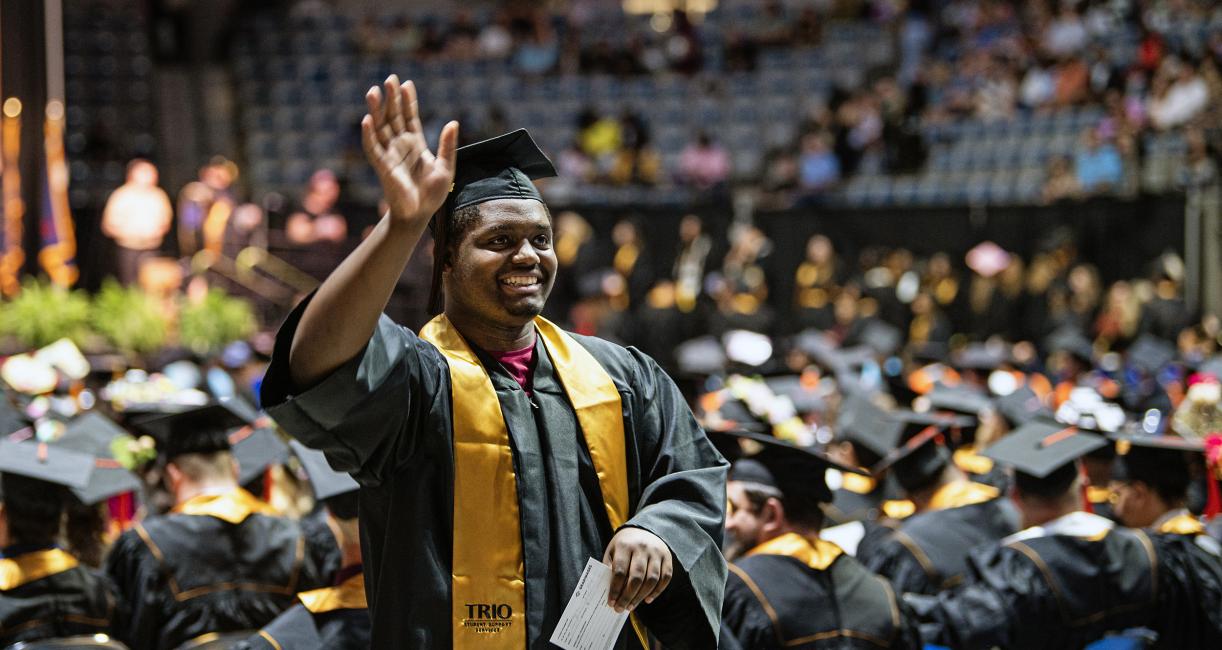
x=45, y=462
x=979, y=356
x=1038, y=449
x=1150, y=353
x=94, y=434
x=805, y=398
x=882, y=337
x=12, y=418
x=929, y=352
x=921, y=455
x=1070, y=339
x=798, y=473
x=1021, y=407
x=201, y=430
x=256, y=449
x=868, y=426
x=497, y=168
x=1158, y=461
x=701, y=357
x=959, y=400
x=324, y=481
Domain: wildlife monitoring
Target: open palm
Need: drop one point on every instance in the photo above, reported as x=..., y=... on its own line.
x=415, y=182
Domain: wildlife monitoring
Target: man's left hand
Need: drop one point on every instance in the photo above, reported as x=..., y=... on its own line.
x=641, y=568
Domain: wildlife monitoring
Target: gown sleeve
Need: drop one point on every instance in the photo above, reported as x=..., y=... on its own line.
x=362, y=414
x=682, y=501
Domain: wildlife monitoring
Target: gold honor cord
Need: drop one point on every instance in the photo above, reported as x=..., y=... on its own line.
x=488, y=596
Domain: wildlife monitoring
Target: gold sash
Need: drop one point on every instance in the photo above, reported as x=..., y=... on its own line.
x=233, y=506
x=28, y=567
x=349, y=594
x=815, y=553
x=488, y=599
x=1182, y=525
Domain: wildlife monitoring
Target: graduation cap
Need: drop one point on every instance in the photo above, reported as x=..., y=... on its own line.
x=882, y=337
x=12, y=417
x=958, y=400
x=324, y=481
x=256, y=449
x=1022, y=406
x=922, y=455
x=701, y=357
x=980, y=356
x=94, y=434
x=866, y=425
x=1150, y=354
x=199, y=430
x=796, y=472
x=805, y=398
x=1158, y=461
x=1043, y=453
x=1070, y=339
x=39, y=460
x=497, y=168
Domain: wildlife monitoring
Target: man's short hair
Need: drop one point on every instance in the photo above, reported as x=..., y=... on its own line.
x=798, y=511
x=34, y=509
x=204, y=466
x=1049, y=488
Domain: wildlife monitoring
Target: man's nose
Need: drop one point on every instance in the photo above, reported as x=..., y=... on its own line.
x=525, y=253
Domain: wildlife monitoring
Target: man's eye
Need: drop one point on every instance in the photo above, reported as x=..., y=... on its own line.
x=499, y=241
x=543, y=241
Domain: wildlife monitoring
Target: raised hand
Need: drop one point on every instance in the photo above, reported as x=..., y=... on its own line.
x=415, y=182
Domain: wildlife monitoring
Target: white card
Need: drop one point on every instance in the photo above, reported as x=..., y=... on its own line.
x=588, y=622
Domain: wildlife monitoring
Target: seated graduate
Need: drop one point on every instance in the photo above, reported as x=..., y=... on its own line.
x=1151, y=478
x=928, y=552
x=335, y=617
x=1066, y=580
x=787, y=587
x=221, y=561
x=45, y=592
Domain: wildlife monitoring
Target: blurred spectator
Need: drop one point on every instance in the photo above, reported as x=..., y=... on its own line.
x=539, y=52
x=204, y=207
x=1038, y=87
x=1062, y=183
x=1065, y=35
x=1178, y=95
x=693, y=253
x=495, y=40
x=683, y=45
x=818, y=168
x=1097, y=164
x=137, y=217
x=636, y=162
x=1072, y=82
x=704, y=164
x=317, y=220
x=600, y=136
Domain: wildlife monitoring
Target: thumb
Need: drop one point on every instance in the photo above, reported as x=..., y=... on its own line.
x=447, y=147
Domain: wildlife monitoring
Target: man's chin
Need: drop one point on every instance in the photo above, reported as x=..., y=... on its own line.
x=526, y=309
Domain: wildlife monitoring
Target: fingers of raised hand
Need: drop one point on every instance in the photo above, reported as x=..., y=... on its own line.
x=637, y=586
x=620, y=560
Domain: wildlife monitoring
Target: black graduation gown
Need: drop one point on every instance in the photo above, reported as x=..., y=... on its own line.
x=385, y=417
x=1189, y=590
x=1054, y=592
x=190, y=575
x=341, y=624
x=928, y=553
x=75, y=601
x=774, y=601
x=321, y=544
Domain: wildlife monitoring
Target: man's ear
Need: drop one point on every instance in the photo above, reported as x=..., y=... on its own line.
x=173, y=474
x=773, y=512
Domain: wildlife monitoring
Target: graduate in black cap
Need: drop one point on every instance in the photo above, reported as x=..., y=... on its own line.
x=45, y=592
x=787, y=587
x=928, y=551
x=1150, y=478
x=1067, y=579
x=334, y=617
x=221, y=561
x=496, y=453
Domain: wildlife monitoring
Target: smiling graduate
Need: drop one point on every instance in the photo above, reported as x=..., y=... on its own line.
x=496, y=452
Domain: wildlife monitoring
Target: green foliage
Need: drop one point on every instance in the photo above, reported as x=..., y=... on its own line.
x=43, y=313
x=129, y=318
x=218, y=319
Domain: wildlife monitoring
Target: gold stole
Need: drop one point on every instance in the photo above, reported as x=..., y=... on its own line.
x=815, y=553
x=28, y=567
x=349, y=594
x=488, y=590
